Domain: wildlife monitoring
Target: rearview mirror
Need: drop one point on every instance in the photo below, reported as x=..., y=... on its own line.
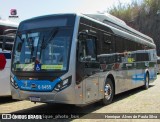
x=83, y=35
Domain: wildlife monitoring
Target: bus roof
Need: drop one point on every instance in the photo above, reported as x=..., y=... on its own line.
x=8, y=23
x=46, y=16
x=108, y=20
x=119, y=24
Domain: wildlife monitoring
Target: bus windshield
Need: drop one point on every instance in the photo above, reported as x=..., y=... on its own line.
x=44, y=49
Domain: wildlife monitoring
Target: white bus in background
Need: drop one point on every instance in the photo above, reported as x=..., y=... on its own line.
x=7, y=34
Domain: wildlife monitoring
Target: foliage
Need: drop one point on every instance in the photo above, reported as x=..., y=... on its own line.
x=130, y=11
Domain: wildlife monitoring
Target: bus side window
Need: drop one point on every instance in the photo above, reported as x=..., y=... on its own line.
x=8, y=39
x=7, y=45
x=107, y=41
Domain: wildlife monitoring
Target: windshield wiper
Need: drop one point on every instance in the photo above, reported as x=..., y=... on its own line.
x=45, y=42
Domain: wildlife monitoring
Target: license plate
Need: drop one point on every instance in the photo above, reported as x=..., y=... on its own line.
x=35, y=99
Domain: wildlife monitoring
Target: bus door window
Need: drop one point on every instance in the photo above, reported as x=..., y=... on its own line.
x=87, y=49
x=87, y=57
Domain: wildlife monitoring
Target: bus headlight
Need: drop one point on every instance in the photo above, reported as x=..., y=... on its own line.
x=13, y=83
x=63, y=84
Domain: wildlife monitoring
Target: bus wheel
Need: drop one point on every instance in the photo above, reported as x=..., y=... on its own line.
x=146, y=85
x=108, y=92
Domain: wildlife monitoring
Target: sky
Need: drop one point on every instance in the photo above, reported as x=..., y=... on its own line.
x=31, y=8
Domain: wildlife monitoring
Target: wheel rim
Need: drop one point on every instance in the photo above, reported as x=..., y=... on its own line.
x=108, y=91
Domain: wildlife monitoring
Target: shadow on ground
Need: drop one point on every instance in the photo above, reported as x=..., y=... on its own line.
x=6, y=99
x=81, y=111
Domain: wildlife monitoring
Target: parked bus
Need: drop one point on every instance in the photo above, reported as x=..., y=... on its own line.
x=7, y=34
x=79, y=59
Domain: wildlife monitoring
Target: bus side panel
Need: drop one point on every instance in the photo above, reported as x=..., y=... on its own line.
x=5, y=80
x=142, y=59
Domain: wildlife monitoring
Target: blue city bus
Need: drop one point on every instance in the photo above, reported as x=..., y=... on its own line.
x=79, y=59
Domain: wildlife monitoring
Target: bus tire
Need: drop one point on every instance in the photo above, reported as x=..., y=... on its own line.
x=108, y=92
x=146, y=85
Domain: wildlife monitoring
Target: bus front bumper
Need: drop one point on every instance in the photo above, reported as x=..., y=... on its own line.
x=66, y=96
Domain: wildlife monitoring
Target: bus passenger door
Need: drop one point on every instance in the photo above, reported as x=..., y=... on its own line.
x=89, y=67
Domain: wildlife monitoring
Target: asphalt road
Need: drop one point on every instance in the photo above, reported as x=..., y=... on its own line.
x=133, y=101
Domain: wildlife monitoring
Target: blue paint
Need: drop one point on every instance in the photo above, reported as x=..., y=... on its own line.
x=141, y=77
x=7, y=55
x=39, y=85
x=138, y=77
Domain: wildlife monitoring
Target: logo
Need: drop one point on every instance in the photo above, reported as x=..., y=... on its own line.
x=13, y=13
x=6, y=116
x=33, y=85
x=2, y=61
x=38, y=67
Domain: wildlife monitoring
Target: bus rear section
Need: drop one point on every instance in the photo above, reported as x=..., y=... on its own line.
x=7, y=35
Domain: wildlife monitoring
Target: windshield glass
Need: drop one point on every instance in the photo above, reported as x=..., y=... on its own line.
x=42, y=50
